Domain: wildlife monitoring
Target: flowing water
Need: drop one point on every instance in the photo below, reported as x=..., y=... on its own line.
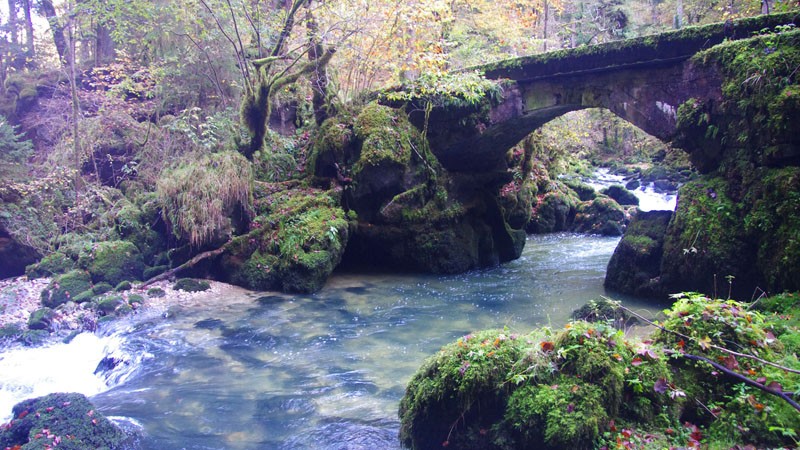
x=254, y=370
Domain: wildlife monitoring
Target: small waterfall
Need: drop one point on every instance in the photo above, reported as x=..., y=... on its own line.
x=88, y=364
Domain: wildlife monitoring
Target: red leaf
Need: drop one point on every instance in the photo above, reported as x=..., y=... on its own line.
x=548, y=346
x=636, y=361
x=775, y=386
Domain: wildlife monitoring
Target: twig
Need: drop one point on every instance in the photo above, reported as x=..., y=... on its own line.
x=738, y=377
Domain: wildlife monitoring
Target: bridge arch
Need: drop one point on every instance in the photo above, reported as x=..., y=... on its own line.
x=642, y=80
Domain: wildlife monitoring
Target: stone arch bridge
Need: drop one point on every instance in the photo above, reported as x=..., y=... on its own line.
x=642, y=80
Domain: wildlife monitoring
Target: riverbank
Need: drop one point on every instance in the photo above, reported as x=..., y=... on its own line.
x=20, y=297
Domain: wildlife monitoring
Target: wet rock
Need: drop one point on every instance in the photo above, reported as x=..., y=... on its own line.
x=65, y=287
x=635, y=266
x=665, y=186
x=632, y=185
x=602, y=216
x=61, y=420
x=41, y=319
x=604, y=310
x=621, y=194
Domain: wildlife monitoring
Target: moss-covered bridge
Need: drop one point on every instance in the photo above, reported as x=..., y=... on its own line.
x=642, y=80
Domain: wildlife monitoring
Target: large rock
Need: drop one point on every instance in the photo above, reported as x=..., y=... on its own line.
x=66, y=287
x=635, y=266
x=63, y=421
x=113, y=262
x=410, y=212
x=295, y=242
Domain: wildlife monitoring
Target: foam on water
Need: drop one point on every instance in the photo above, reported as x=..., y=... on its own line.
x=33, y=372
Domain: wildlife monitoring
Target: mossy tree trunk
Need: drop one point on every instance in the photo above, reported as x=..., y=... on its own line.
x=272, y=76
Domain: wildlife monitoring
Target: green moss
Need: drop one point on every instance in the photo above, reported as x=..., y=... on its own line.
x=123, y=286
x=113, y=262
x=70, y=418
x=191, y=285
x=294, y=243
x=84, y=297
x=109, y=305
x=151, y=272
x=41, y=319
x=156, y=293
x=102, y=288
x=52, y=264
x=773, y=220
x=566, y=414
x=135, y=299
x=64, y=287
x=533, y=391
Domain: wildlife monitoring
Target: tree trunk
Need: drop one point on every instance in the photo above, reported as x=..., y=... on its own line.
x=26, y=6
x=12, y=23
x=57, y=29
x=545, y=24
x=104, y=51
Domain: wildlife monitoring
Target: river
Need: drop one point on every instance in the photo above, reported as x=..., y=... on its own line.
x=255, y=370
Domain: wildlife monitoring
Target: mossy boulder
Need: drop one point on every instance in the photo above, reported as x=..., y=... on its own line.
x=294, y=243
x=41, y=319
x=65, y=287
x=191, y=285
x=548, y=389
x=554, y=209
x=621, y=195
x=113, y=262
x=635, y=266
x=52, y=264
x=602, y=216
x=411, y=213
x=61, y=420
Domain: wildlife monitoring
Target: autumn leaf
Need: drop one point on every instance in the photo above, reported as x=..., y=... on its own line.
x=705, y=343
x=547, y=346
x=636, y=361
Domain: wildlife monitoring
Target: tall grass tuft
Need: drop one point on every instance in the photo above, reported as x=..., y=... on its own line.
x=198, y=197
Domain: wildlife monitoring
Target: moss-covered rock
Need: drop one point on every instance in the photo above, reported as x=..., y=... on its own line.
x=52, y=264
x=109, y=305
x=554, y=208
x=635, y=266
x=41, y=319
x=191, y=285
x=102, y=288
x=113, y=262
x=65, y=287
x=621, y=195
x=602, y=216
x=411, y=213
x=123, y=286
x=156, y=293
x=294, y=244
x=494, y=390
x=66, y=421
